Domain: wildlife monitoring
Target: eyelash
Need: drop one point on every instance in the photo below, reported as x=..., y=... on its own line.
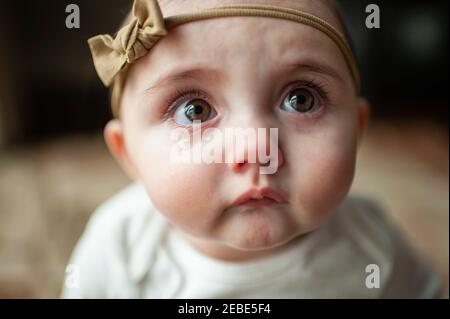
x=179, y=95
x=317, y=86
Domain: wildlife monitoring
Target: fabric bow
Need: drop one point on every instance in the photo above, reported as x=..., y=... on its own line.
x=132, y=41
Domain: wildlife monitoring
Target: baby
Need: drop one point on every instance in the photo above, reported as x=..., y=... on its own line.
x=269, y=217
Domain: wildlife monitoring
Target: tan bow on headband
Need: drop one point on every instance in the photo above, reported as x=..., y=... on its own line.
x=132, y=41
x=148, y=26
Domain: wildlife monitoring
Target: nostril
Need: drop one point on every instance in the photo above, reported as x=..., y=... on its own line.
x=241, y=164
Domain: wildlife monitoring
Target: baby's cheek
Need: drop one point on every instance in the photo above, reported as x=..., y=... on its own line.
x=323, y=180
x=182, y=192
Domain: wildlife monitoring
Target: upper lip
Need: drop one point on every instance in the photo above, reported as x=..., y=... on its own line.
x=260, y=193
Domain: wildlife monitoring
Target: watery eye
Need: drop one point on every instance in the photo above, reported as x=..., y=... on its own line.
x=193, y=110
x=299, y=100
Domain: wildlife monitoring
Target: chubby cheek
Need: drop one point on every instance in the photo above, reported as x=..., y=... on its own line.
x=323, y=176
x=183, y=192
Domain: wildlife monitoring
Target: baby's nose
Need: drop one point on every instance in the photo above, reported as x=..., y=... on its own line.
x=245, y=164
x=255, y=147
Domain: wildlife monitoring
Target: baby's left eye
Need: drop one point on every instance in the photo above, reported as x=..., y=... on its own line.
x=193, y=110
x=299, y=100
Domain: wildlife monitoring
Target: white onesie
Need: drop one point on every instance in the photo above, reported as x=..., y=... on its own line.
x=129, y=250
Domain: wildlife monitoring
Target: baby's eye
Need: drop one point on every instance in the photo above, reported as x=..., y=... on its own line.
x=299, y=100
x=193, y=110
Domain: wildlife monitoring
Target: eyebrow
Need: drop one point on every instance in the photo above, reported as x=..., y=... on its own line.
x=198, y=74
x=315, y=67
x=213, y=75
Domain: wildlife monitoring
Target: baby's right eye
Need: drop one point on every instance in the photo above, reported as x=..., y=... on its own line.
x=193, y=110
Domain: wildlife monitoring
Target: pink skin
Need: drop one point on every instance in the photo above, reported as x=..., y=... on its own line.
x=317, y=151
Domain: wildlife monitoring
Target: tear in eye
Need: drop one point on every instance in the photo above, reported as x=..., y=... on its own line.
x=193, y=110
x=299, y=100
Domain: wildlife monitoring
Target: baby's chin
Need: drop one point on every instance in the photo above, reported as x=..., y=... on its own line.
x=249, y=233
x=259, y=229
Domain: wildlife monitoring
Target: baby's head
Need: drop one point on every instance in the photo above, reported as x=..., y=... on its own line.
x=250, y=73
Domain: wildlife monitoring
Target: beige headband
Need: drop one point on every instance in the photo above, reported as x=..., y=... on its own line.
x=148, y=26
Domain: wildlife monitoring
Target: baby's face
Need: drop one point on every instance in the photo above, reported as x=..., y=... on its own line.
x=242, y=72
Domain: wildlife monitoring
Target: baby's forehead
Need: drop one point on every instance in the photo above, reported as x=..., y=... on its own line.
x=230, y=57
x=273, y=41
x=287, y=39
x=325, y=9
x=205, y=46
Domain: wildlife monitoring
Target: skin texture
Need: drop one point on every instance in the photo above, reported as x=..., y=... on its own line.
x=248, y=75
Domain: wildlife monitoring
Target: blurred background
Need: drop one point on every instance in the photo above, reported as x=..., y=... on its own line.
x=55, y=169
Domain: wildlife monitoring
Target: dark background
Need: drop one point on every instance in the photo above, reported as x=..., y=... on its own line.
x=49, y=87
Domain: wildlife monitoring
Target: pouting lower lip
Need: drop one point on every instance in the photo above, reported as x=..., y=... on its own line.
x=259, y=197
x=259, y=202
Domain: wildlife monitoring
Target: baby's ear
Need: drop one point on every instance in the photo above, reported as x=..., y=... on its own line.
x=115, y=141
x=363, y=115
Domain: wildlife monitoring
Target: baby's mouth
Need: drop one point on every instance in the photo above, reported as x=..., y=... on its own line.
x=259, y=197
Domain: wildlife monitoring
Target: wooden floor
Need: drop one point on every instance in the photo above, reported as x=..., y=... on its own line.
x=48, y=191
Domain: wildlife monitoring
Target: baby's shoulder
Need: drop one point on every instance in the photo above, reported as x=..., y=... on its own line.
x=122, y=213
x=365, y=221
x=375, y=237
x=127, y=221
x=117, y=242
